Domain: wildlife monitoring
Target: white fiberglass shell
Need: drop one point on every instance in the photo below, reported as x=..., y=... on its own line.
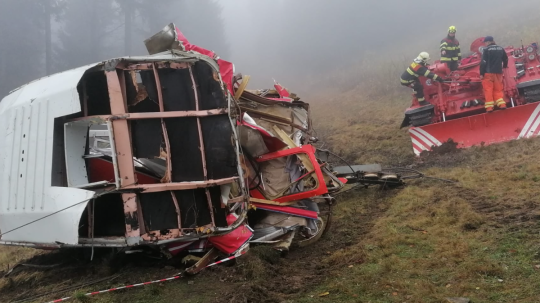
x=26, y=156
x=27, y=130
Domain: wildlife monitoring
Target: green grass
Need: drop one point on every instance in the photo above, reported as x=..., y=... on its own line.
x=422, y=243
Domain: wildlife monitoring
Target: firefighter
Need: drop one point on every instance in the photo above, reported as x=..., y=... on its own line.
x=450, y=50
x=410, y=77
x=494, y=59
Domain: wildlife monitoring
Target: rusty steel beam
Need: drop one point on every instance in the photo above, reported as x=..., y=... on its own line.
x=173, y=65
x=177, y=207
x=151, y=66
x=124, y=155
x=139, y=66
x=121, y=131
x=131, y=215
x=158, y=88
x=178, y=114
x=156, y=235
x=168, y=172
x=156, y=115
x=201, y=142
x=122, y=80
x=210, y=208
x=199, y=128
x=152, y=188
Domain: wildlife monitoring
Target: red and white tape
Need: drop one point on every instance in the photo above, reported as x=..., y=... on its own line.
x=241, y=252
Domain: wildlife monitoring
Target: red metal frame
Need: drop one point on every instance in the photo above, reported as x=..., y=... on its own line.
x=484, y=129
x=310, y=152
x=288, y=210
x=469, y=126
x=124, y=154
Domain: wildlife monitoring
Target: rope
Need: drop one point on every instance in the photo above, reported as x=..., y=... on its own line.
x=175, y=277
x=66, y=289
x=418, y=174
x=344, y=161
x=59, y=211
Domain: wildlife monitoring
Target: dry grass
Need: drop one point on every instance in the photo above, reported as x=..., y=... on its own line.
x=422, y=243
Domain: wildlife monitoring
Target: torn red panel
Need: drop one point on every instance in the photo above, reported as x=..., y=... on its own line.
x=281, y=90
x=233, y=241
x=310, y=152
x=343, y=180
x=288, y=210
x=226, y=68
x=100, y=169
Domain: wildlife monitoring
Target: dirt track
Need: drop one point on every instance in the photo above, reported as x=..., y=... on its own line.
x=259, y=276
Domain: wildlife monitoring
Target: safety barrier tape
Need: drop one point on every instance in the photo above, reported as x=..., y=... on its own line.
x=241, y=252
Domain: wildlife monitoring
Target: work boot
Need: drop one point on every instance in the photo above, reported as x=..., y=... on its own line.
x=489, y=109
x=501, y=104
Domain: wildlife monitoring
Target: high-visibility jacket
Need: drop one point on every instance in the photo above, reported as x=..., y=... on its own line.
x=450, y=50
x=416, y=70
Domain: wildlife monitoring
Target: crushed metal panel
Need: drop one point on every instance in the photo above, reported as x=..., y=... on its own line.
x=26, y=146
x=163, y=40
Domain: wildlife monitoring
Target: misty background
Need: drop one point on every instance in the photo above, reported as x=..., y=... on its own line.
x=304, y=44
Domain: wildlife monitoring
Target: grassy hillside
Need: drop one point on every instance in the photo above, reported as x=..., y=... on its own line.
x=476, y=238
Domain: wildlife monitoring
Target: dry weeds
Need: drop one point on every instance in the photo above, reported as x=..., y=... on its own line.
x=422, y=243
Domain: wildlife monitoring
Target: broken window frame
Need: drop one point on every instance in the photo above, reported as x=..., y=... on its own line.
x=122, y=152
x=316, y=172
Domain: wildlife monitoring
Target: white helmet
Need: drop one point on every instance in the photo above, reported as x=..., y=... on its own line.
x=422, y=58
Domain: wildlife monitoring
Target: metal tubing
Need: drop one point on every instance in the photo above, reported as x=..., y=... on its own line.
x=201, y=142
x=152, y=188
x=149, y=66
x=168, y=173
x=178, y=216
x=121, y=131
x=156, y=115
x=158, y=88
x=114, y=155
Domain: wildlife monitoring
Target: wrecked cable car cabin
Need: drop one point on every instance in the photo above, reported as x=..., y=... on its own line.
x=168, y=169
x=168, y=150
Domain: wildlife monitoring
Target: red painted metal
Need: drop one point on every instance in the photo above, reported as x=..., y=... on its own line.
x=310, y=152
x=152, y=188
x=469, y=125
x=226, y=68
x=177, y=276
x=283, y=93
x=288, y=210
x=233, y=241
x=103, y=170
x=484, y=129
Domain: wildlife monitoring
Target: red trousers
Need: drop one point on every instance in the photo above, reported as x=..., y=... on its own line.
x=493, y=89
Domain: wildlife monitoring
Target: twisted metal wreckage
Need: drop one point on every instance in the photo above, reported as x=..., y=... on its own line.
x=168, y=150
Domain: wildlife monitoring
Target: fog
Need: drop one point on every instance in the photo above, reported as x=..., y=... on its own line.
x=289, y=40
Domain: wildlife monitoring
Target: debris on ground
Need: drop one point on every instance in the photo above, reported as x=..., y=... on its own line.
x=168, y=154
